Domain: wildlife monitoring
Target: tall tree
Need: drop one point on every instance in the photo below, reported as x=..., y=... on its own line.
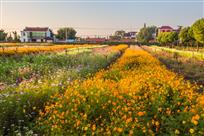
x=162, y=38
x=172, y=38
x=198, y=32
x=119, y=34
x=2, y=35
x=10, y=38
x=186, y=36
x=16, y=37
x=146, y=34
x=66, y=33
x=168, y=38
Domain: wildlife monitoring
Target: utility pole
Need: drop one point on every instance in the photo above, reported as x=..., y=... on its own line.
x=66, y=33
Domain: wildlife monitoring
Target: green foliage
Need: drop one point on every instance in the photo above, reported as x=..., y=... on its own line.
x=66, y=33
x=146, y=34
x=198, y=30
x=162, y=38
x=2, y=35
x=167, y=37
x=9, y=38
x=172, y=37
x=16, y=37
x=119, y=34
x=184, y=35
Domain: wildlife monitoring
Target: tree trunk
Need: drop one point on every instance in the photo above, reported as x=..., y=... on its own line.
x=197, y=46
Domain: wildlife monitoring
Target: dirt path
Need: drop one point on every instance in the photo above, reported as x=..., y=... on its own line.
x=136, y=47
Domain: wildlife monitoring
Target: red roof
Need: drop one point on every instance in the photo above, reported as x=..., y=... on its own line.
x=165, y=27
x=36, y=29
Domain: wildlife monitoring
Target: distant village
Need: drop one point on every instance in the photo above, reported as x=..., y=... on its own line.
x=45, y=34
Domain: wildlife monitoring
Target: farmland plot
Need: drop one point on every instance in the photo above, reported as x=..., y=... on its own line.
x=137, y=95
x=21, y=103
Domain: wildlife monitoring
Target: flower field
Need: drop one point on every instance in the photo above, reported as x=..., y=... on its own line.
x=36, y=49
x=43, y=75
x=137, y=95
x=190, y=68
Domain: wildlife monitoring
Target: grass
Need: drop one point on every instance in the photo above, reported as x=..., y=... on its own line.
x=188, y=54
x=20, y=105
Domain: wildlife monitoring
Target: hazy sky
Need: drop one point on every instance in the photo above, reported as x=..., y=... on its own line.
x=99, y=17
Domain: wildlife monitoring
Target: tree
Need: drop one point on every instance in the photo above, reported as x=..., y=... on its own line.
x=66, y=33
x=146, y=34
x=10, y=38
x=119, y=34
x=198, y=32
x=172, y=38
x=162, y=38
x=16, y=37
x=168, y=38
x=114, y=37
x=2, y=35
x=186, y=36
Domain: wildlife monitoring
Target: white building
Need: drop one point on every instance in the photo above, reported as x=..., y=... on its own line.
x=36, y=34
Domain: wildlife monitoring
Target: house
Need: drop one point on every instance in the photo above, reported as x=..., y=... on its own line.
x=165, y=29
x=168, y=29
x=36, y=34
x=130, y=35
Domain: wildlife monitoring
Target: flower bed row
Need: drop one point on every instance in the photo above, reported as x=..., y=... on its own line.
x=20, y=105
x=37, y=49
x=135, y=96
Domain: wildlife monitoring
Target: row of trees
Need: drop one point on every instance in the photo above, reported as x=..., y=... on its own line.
x=66, y=33
x=188, y=36
x=4, y=36
x=168, y=38
x=62, y=34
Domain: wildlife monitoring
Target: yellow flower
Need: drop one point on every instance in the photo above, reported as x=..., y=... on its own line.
x=177, y=131
x=78, y=123
x=119, y=130
x=191, y=131
x=94, y=127
x=140, y=113
x=85, y=128
x=157, y=123
x=131, y=132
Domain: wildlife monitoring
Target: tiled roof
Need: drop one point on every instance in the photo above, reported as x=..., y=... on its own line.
x=165, y=27
x=43, y=29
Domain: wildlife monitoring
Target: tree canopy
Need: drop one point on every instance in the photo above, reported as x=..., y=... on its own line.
x=146, y=34
x=198, y=30
x=3, y=35
x=66, y=33
x=167, y=37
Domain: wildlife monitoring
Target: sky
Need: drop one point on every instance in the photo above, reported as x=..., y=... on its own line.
x=98, y=17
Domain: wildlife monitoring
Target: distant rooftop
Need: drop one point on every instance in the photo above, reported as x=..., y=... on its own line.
x=165, y=27
x=36, y=29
